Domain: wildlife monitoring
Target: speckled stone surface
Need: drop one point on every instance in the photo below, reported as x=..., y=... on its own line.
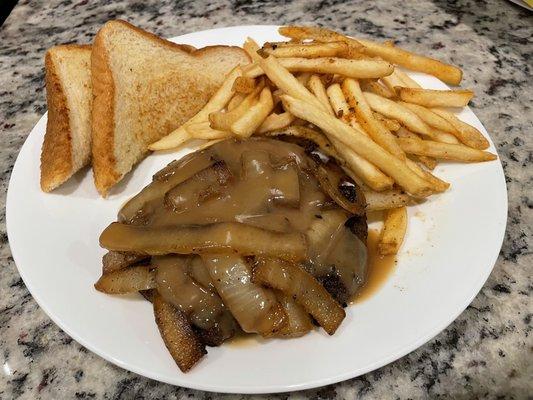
x=486, y=353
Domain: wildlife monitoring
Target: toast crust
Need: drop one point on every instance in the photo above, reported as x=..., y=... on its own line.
x=56, y=153
x=106, y=173
x=102, y=121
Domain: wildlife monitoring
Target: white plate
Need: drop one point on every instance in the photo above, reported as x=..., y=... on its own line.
x=452, y=244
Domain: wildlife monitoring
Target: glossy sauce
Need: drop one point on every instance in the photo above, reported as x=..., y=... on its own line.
x=379, y=269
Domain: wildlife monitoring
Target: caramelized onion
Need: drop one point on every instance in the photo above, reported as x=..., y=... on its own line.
x=255, y=308
x=298, y=320
x=128, y=280
x=230, y=237
x=294, y=282
x=115, y=260
x=175, y=173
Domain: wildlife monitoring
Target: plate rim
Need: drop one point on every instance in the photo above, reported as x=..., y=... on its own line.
x=235, y=389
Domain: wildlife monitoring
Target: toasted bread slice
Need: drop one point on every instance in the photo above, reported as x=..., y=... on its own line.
x=143, y=88
x=67, y=142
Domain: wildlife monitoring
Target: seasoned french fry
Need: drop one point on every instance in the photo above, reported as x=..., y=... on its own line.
x=435, y=98
x=393, y=232
x=333, y=65
x=398, y=112
x=251, y=48
x=303, y=77
x=246, y=125
x=368, y=85
x=429, y=117
x=392, y=81
x=219, y=100
x=445, y=137
x=224, y=120
x=445, y=72
x=275, y=122
x=311, y=50
x=341, y=107
x=466, y=133
x=244, y=85
x=318, y=34
x=375, y=129
x=428, y=162
x=360, y=144
x=445, y=151
x=390, y=124
x=317, y=88
x=377, y=201
x=284, y=80
x=203, y=130
x=357, y=167
x=438, y=184
x=235, y=101
x=406, y=79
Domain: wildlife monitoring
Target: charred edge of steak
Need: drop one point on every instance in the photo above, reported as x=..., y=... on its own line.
x=334, y=285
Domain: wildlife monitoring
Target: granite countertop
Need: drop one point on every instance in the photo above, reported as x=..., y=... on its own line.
x=486, y=353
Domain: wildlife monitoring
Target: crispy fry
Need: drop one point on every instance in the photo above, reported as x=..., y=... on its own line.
x=398, y=112
x=251, y=48
x=357, y=167
x=341, y=108
x=377, y=201
x=317, y=88
x=428, y=162
x=439, y=185
x=429, y=117
x=390, y=124
x=446, y=151
x=246, y=125
x=303, y=77
x=360, y=144
x=224, y=120
x=375, y=129
x=235, y=101
x=311, y=50
x=284, y=80
x=319, y=34
x=244, y=85
x=203, y=130
x=392, y=81
x=127, y=280
x=406, y=79
x=466, y=133
x=177, y=334
x=333, y=65
x=219, y=100
x=445, y=72
x=275, y=122
x=393, y=232
x=435, y=98
x=368, y=85
x=445, y=137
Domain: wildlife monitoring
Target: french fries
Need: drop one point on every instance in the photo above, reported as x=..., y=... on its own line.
x=360, y=144
x=445, y=151
x=317, y=88
x=246, y=125
x=466, y=133
x=429, y=117
x=375, y=129
x=251, y=48
x=392, y=82
x=275, y=122
x=341, y=108
x=390, y=124
x=396, y=111
x=393, y=232
x=235, y=101
x=406, y=79
x=363, y=69
x=435, y=98
x=368, y=85
x=203, y=130
x=377, y=201
x=319, y=34
x=284, y=80
x=313, y=50
x=244, y=85
x=219, y=100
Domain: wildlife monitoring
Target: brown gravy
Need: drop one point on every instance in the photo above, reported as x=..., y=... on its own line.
x=379, y=268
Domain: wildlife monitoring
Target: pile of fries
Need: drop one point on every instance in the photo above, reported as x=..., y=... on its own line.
x=351, y=98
